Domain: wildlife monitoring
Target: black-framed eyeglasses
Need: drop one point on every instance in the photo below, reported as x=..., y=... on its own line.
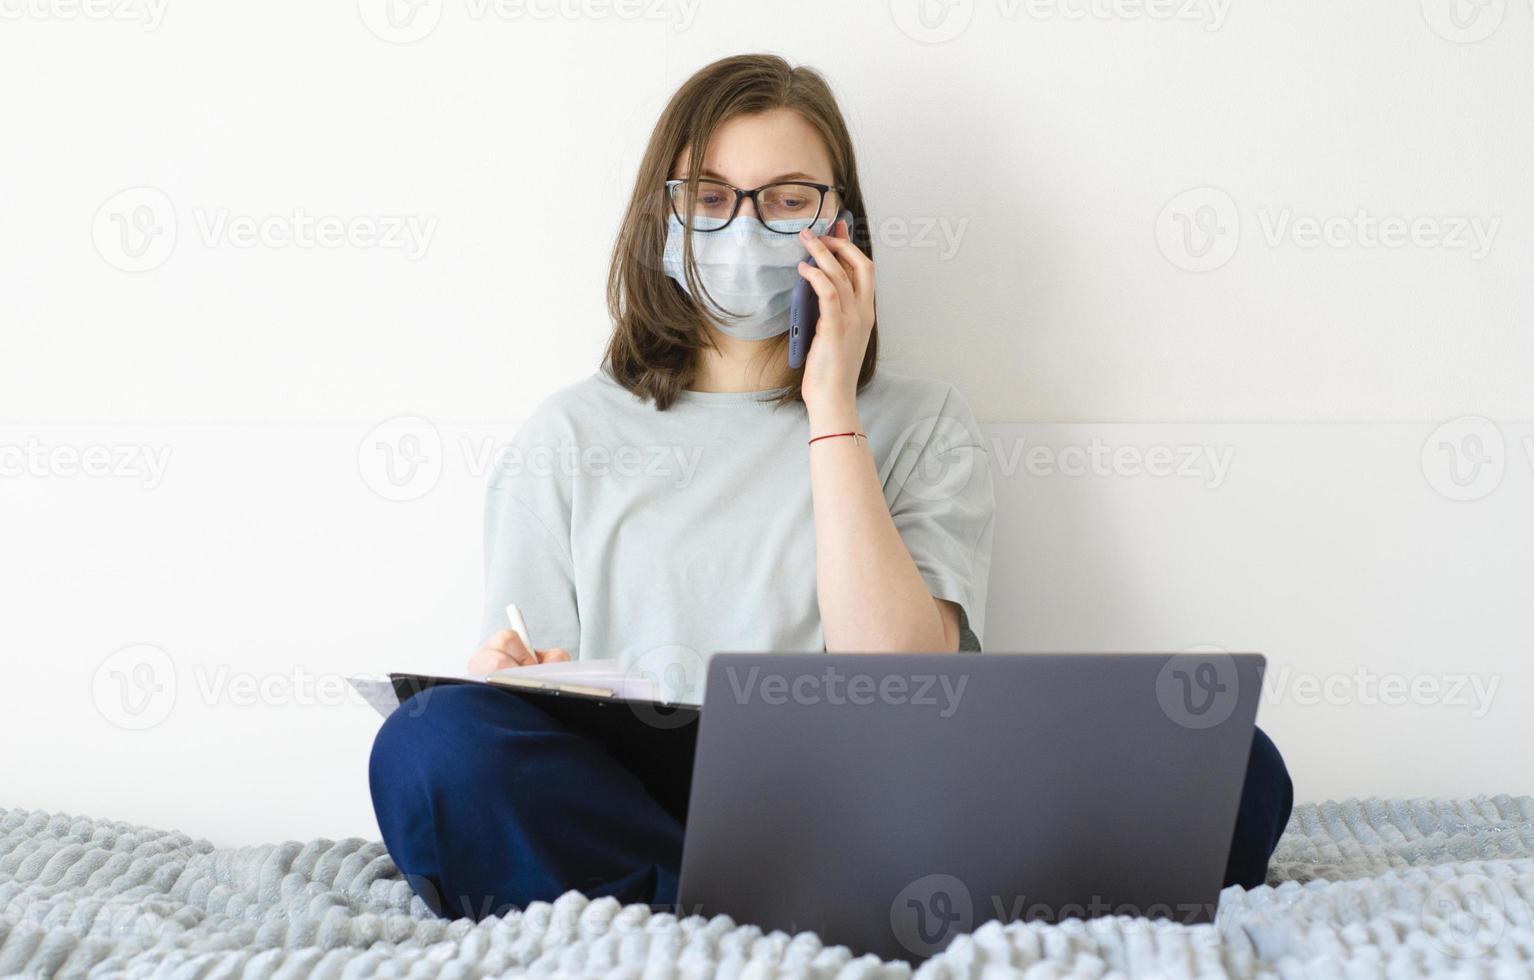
x=786, y=206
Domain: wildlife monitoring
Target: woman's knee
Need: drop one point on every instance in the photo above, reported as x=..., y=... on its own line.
x=457, y=787
x=1267, y=778
x=444, y=736
x=1267, y=798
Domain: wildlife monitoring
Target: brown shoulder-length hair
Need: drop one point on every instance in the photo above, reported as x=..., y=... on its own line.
x=658, y=328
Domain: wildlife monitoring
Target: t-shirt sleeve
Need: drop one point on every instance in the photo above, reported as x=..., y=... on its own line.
x=943, y=501
x=527, y=552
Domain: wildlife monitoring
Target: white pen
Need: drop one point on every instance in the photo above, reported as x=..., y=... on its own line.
x=518, y=625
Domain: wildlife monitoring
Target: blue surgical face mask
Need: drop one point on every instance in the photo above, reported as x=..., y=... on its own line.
x=747, y=270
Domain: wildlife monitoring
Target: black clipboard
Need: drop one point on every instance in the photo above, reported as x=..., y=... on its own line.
x=613, y=719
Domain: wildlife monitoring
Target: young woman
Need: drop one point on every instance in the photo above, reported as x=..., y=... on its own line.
x=697, y=495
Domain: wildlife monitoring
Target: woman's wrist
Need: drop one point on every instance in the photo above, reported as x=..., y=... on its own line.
x=833, y=417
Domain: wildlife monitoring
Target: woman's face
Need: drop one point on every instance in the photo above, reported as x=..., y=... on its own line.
x=749, y=151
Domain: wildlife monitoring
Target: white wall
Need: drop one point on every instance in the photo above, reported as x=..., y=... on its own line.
x=1031, y=179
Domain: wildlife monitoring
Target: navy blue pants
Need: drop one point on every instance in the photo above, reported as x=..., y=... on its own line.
x=487, y=803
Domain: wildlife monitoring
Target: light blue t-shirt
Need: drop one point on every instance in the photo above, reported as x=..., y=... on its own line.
x=660, y=538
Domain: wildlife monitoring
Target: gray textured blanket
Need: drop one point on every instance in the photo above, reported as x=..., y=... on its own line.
x=1357, y=889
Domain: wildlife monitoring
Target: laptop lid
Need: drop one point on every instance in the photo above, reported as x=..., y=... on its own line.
x=889, y=802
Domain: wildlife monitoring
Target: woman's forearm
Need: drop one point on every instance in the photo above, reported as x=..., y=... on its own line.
x=872, y=597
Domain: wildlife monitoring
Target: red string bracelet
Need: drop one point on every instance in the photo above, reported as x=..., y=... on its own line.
x=833, y=435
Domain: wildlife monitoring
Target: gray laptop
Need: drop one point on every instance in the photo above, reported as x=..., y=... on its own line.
x=890, y=802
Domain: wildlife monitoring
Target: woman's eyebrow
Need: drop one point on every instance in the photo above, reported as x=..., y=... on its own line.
x=796, y=175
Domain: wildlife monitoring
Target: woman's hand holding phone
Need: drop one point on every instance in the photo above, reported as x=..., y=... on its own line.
x=504, y=648
x=843, y=280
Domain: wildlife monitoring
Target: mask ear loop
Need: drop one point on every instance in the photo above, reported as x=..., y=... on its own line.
x=695, y=287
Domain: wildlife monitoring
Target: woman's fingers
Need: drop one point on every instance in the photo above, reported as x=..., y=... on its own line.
x=510, y=643
x=860, y=266
x=826, y=261
x=505, y=648
x=830, y=296
x=518, y=651
x=500, y=650
x=487, y=661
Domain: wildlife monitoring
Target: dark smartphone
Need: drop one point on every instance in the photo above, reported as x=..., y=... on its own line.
x=804, y=310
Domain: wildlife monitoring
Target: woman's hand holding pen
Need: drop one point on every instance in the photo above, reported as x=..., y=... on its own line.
x=505, y=648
